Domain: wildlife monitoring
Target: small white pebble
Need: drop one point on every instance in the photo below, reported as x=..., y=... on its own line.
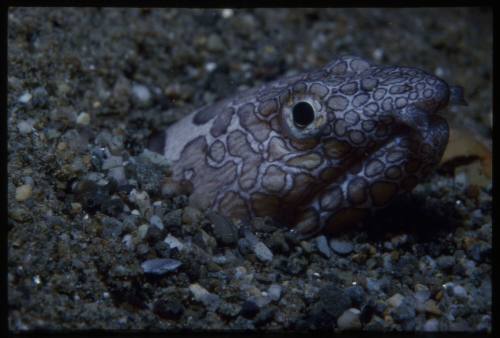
x=25, y=127
x=23, y=192
x=83, y=118
x=25, y=98
x=439, y=72
x=141, y=92
x=378, y=54
x=227, y=13
x=173, y=242
x=210, y=66
x=37, y=280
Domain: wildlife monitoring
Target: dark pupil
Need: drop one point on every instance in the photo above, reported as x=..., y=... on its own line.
x=303, y=114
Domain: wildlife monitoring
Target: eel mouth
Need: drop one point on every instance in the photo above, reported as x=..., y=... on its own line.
x=156, y=142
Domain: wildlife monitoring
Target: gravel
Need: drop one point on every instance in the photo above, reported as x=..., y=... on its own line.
x=89, y=208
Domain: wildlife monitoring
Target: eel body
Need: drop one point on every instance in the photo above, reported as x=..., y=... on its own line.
x=319, y=150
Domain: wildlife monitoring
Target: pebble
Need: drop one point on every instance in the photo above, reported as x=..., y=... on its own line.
x=215, y=43
x=200, y=294
x=432, y=308
x=141, y=199
x=223, y=229
x=25, y=98
x=25, y=127
x=349, y=320
x=333, y=300
x=460, y=292
x=356, y=293
x=173, y=218
x=249, y=309
x=83, y=119
x=154, y=158
x=396, y=300
x=23, y=192
x=229, y=310
x=431, y=325
x=265, y=316
x=173, y=242
x=112, y=228
x=322, y=245
x=262, y=252
x=160, y=266
x=128, y=242
x=191, y=215
x=168, y=309
x=155, y=220
x=341, y=247
x=373, y=285
x=142, y=231
x=274, y=292
x=404, y=312
x=142, y=94
x=445, y=262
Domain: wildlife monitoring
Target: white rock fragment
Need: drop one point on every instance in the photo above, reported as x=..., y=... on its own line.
x=83, y=119
x=142, y=231
x=26, y=126
x=25, y=98
x=141, y=93
x=395, y=300
x=173, y=242
x=23, y=192
x=349, y=320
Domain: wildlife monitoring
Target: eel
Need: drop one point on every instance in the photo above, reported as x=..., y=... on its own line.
x=317, y=151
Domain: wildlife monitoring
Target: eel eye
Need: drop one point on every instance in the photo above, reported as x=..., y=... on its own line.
x=303, y=114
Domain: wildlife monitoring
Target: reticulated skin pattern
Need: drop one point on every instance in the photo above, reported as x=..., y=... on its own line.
x=319, y=150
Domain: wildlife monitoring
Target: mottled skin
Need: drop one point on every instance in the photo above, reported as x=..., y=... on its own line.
x=318, y=150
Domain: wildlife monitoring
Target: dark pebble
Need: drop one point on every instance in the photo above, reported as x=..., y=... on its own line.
x=229, y=310
x=112, y=207
x=172, y=219
x=223, y=229
x=112, y=228
x=445, y=262
x=265, y=316
x=263, y=224
x=341, y=247
x=249, y=309
x=404, y=312
x=333, y=301
x=480, y=251
x=168, y=309
x=357, y=294
x=154, y=235
x=142, y=249
x=244, y=246
x=277, y=243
